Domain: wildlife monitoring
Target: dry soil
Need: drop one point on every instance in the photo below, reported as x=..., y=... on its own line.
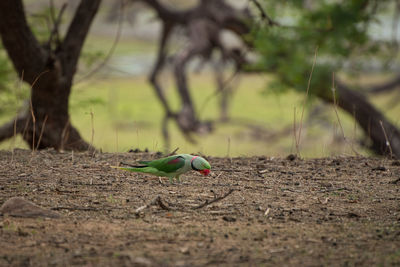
x=331, y=211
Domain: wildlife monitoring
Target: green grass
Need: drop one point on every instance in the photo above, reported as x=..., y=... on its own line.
x=127, y=114
x=125, y=46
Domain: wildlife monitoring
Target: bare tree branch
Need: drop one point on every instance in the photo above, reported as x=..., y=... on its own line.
x=385, y=87
x=162, y=54
x=370, y=120
x=23, y=48
x=56, y=24
x=204, y=24
x=264, y=15
x=216, y=199
x=167, y=14
x=15, y=126
x=76, y=34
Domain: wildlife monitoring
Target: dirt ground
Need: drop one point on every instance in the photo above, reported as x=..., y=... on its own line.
x=332, y=211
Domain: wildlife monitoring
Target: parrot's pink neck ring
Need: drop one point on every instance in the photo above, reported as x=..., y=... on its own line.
x=193, y=158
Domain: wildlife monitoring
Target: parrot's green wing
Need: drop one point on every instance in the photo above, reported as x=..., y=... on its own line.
x=168, y=165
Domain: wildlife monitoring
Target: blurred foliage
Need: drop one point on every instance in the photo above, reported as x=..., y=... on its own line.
x=5, y=69
x=41, y=24
x=89, y=58
x=8, y=97
x=338, y=30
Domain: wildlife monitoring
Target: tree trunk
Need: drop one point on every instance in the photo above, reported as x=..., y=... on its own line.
x=50, y=126
x=385, y=137
x=46, y=123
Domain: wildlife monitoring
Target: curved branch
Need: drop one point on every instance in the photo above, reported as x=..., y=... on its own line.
x=166, y=30
x=166, y=14
x=264, y=15
x=56, y=24
x=386, y=87
x=13, y=127
x=76, y=34
x=113, y=46
x=384, y=135
x=204, y=24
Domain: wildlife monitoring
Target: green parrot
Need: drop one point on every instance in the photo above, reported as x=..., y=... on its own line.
x=172, y=166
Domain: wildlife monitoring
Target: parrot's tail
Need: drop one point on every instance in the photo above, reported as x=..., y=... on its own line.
x=132, y=169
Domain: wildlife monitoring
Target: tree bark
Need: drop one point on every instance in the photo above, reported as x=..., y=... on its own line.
x=46, y=123
x=384, y=135
x=385, y=87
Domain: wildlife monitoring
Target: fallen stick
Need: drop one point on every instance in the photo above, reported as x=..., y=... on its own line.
x=155, y=201
x=86, y=208
x=206, y=203
x=395, y=181
x=75, y=208
x=161, y=204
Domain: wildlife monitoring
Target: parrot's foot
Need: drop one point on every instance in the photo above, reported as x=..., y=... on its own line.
x=178, y=179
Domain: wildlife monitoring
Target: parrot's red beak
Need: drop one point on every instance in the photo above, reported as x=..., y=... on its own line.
x=205, y=172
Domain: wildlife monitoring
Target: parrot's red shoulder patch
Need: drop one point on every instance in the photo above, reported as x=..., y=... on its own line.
x=174, y=161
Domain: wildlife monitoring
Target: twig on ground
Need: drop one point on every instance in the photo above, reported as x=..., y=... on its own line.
x=395, y=181
x=76, y=208
x=215, y=195
x=155, y=201
x=323, y=201
x=253, y=180
x=206, y=203
x=335, y=189
x=267, y=212
x=161, y=204
x=229, y=170
x=218, y=175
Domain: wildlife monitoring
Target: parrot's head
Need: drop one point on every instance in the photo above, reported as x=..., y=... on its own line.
x=201, y=165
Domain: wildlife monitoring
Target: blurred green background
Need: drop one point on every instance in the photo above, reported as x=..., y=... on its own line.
x=116, y=108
